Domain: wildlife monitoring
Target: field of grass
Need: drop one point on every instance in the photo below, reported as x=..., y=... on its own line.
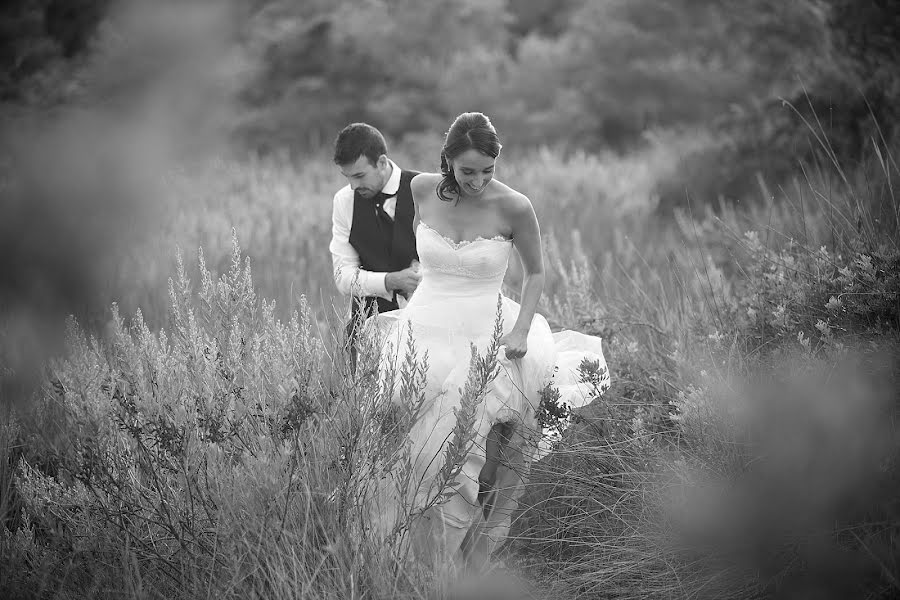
x=280, y=209
x=215, y=444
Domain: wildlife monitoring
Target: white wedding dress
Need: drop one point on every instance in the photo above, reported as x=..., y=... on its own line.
x=454, y=306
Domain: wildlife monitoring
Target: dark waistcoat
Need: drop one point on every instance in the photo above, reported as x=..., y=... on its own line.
x=384, y=246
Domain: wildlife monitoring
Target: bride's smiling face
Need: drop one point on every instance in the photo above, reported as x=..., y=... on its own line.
x=473, y=171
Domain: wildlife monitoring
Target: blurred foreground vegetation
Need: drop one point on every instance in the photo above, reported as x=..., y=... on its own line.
x=740, y=257
x=103, y=100
x=573, y=74
x=747, y=448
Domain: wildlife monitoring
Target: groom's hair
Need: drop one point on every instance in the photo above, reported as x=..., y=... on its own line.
x=358, y=139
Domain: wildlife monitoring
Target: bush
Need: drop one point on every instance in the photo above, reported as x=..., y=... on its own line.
x=223, y=456
x=748, y=445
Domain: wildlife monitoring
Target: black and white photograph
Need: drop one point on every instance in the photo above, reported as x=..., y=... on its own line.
x=449, y=299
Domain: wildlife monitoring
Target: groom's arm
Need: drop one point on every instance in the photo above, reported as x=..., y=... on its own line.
x=348, y=276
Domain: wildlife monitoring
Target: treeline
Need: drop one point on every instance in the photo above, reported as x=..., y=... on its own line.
x=591, y=74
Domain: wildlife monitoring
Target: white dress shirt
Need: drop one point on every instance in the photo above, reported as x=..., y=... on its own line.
x=345, y=259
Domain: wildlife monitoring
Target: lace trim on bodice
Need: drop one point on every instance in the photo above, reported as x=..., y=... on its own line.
x=481, y=261
x=457, y=245
x=461, y=270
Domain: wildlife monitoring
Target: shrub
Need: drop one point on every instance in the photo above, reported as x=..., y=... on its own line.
x=221, y=456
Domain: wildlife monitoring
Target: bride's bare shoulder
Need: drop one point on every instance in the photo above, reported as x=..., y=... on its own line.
x=512, y=202
x=423, y=186
x=424, y=181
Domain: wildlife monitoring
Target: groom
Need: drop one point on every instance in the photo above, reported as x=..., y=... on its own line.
x=373, y=246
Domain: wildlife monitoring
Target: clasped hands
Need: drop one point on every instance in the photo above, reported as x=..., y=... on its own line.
x=404, y=282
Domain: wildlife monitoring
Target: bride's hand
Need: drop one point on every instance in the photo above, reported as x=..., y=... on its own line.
x=516, y=343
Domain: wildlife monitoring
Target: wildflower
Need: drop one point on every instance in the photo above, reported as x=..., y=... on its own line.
x=834, y=304
x=638, y=425
x=753, y=243
x=716, y=337
x=864, y=263
x=780, y=317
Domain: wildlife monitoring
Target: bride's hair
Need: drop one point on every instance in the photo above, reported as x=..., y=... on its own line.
x=470, y=131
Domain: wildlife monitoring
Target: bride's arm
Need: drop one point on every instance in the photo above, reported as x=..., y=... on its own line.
x=527, y=240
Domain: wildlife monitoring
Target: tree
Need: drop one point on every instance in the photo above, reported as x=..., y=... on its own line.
x=866, y=50
x=72, y=22
x=637, y=64
x=324, y=64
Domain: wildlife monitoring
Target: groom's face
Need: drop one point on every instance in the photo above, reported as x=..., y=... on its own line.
x=366, y=178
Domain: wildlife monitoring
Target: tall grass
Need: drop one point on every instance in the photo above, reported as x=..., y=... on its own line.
x=218, y=457
x=281, y=210
x=749, y=444
x=220, y=444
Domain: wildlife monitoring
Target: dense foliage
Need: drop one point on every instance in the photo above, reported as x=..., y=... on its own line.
x=211, y=442
x=747, y=447
x=581, y=74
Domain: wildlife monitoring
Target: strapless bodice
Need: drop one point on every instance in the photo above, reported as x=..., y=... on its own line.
x=461, y=281
x=481, y=262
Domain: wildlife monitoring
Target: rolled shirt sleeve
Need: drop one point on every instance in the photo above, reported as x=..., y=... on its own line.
x=348, y=276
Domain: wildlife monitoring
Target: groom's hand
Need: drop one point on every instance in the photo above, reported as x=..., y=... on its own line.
x=403, y=282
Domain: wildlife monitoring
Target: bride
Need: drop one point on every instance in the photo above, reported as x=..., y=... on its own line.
x=468, y=223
